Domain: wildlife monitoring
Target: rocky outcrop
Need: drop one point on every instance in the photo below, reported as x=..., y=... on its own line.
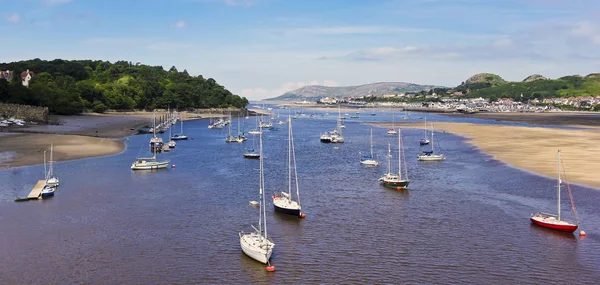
x=534, y=77
x=24, y=112
x=490, y=78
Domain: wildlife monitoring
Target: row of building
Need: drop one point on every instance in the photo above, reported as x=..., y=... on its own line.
x=26, y=76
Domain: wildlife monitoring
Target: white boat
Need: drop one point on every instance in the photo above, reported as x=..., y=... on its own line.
x=171, y=143
x=334, y=136
x=424, y=140
x=252, y=153
x=51, y=181
x=393, y=180
x=48, y=191
x=283, y=201
x=180, y=136
x=257, y=243
x=430, y=155
x=554, y=221
x=369, y=160
x=149, y=163
x=392, y=130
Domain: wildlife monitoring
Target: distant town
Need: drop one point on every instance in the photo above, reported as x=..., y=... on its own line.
x=456, y=103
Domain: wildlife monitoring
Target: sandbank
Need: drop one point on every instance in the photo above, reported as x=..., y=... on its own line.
x=532, y=148
x=28, y=149
x=589, y=119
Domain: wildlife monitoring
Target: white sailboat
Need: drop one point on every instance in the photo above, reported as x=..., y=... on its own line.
x=392, y=130
x=430, y=155
x=149, y=163
x=424, y=140
x=283, y=201
x=257, y=244
x=52, y=181
x=171, y=143
x=47, y=191
x=180, y=136
x=369, y=159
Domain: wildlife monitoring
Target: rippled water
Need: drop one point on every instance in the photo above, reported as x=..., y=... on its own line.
x=463, y=221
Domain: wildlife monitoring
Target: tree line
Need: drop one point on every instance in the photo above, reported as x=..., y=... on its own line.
x=72, y=86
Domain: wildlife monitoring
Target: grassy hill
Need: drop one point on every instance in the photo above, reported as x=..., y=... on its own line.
x=315, y=92
x=535, y=86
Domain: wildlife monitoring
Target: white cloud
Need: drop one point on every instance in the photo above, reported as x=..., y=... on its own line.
x=587, y=30
x=56, y=2
x=264, y=93
x=244, y=3
x=180, y=24
x=353, y=30
x=14, y=18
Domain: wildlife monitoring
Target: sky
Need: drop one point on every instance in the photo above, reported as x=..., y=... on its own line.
x=264, y=48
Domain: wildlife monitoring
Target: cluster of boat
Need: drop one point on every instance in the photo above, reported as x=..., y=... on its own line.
x=257, y=244
x=157, y=144
x=11, y=121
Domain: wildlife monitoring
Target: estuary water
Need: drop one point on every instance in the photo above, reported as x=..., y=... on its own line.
x=462, y=221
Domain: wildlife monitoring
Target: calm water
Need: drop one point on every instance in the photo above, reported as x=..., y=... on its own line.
x=463, y=221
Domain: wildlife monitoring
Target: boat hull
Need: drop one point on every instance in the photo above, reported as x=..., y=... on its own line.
x=253, y=247
x=152, y=166
x=563, y=226
x=252, y=155
x=431, y=157
x=369, y=162
x=179, y=138
x=402, y=184
x=284, y=205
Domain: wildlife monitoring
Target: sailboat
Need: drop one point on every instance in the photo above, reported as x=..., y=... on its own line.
x=51, y=181
x=149, y=163
x=552, y=221
x=424, y=140
x=430, y=155
x=393, y=180
x=283, y=201
x=369, y=159
x=180, y=136
x=252, y=153
x=230, y=137
x=257, y=244
x=392, y=130
x=47, y=191
x=156, y=143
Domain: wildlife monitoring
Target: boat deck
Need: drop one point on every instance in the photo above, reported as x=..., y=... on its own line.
x=36, y=192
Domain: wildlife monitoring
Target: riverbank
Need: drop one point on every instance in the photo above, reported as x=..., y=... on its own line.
x=531, y=148
x=547, y=118
x=74, y=137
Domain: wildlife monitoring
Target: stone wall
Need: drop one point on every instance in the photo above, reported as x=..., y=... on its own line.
x=24, y=112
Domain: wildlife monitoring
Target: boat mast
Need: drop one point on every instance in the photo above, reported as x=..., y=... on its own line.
x=262, y=192
x=51, y=163
x=399, y=158
x=290, y=158
x=372, y=144
x=431, y=138
x=294, y=162
x=558, y=185
x=45, y=171
x=389, y=159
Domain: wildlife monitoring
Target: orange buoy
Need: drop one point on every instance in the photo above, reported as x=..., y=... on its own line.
x=582, y=233
x=302, y=215
x=173, y=166
x=270, y=268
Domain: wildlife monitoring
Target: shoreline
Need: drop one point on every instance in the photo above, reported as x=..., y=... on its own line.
x=532, y=149
x=79, y=136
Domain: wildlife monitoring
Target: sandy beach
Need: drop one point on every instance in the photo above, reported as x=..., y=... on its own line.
x=532, y=148
x=550, y=118
x=74, y=137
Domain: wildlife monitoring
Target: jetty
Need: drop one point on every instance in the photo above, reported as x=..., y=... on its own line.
x=36, y=192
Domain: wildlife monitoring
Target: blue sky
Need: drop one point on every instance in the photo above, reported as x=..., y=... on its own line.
x=263, y=48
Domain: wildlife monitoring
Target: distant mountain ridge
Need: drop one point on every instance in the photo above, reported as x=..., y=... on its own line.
x=315, y=92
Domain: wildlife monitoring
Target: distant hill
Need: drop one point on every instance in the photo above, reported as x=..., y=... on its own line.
x=316, y=92
x=534, y=86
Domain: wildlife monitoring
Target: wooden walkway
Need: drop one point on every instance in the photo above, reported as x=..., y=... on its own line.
x=36, y=192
